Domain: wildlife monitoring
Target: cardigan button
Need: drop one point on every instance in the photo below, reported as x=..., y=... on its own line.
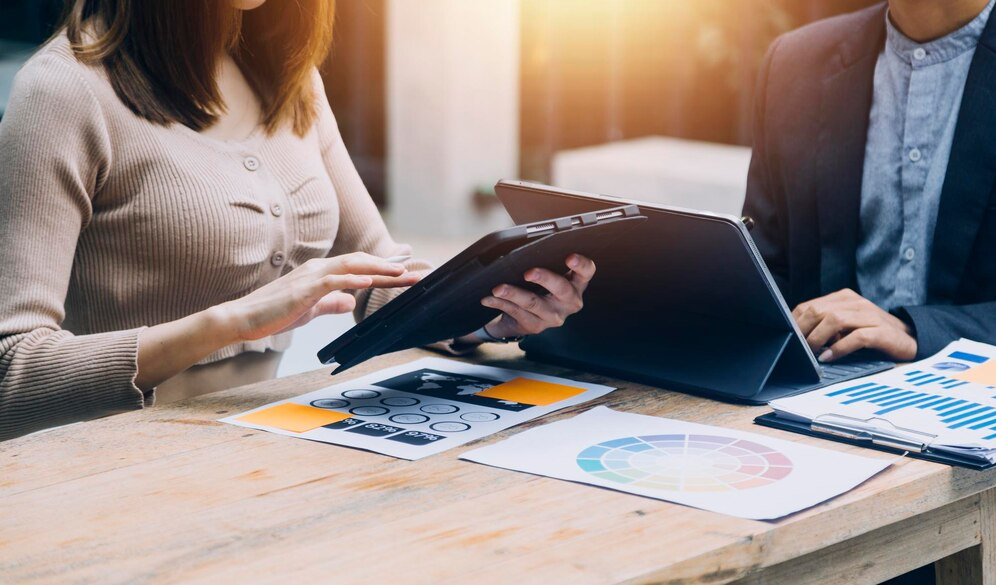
x=276, y=210
x=278, y=259
x=251, y=163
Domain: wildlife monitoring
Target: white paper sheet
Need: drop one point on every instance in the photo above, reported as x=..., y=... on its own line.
x=422, y=408
x=934, y=396
x=712, y=468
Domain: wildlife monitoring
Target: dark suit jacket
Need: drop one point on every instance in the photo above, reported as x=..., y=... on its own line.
x=804, y=187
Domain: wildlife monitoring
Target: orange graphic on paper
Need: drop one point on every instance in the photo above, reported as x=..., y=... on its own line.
x=296, y=418
x=526, y=391
x=984, y=374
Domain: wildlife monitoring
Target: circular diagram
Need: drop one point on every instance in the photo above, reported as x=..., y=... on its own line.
x=479, y=416
x=439, y=408
x=361, y=394
x=449, y=427
x=409, y=418
x=369, y=410
x=400, y=401
x=685, y=463
x=951, y=366
x=330, y=403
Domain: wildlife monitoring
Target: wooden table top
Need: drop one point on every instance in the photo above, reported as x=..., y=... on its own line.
x=170, y=495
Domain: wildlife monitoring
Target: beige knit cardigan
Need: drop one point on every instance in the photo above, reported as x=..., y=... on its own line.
x=109, y=223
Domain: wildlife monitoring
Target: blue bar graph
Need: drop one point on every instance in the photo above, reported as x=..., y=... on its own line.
x=968, y=357
x=954, y=413
x=986, y=413
x=918, y=379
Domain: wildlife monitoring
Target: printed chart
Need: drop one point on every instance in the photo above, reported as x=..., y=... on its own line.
x=945, y=402
x=419, y=409
x=721, y=470
x=935, y=388
x=686, y=463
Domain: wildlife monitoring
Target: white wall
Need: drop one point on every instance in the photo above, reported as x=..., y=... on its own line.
x=452, y=110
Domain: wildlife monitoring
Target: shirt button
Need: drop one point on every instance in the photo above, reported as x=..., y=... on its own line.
x=251, y=163
x=276, y=210
x=916, y=155
x=919, y=54
x=278, y=259
x=909, y=254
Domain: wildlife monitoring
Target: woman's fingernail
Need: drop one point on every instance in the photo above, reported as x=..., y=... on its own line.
x=398, y=266
x=573, y=262
x=826, y=356
x=500, y=291
x=487, y=302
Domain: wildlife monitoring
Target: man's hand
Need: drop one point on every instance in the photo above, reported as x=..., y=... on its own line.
x=844, y=322
x=527, y=313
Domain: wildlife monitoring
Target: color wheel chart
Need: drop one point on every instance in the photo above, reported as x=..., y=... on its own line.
x=685, y=463
x=954, y=412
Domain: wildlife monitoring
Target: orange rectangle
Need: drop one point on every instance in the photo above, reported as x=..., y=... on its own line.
x=535, y=392
x=984, y=374
x=296, y=418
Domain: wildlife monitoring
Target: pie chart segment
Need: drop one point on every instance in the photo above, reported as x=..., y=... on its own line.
x=685, y=463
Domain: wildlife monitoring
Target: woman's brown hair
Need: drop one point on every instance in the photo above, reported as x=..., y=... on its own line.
x=162, y=55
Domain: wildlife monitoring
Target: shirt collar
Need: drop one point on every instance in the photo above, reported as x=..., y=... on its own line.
x=939, y=50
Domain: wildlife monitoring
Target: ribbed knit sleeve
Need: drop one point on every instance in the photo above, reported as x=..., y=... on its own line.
x=361, y=228
x=54, y=153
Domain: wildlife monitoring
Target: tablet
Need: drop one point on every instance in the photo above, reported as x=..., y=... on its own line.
x=685, y=303
x=447, y=303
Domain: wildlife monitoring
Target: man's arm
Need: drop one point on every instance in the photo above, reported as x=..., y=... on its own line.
x=935, y=326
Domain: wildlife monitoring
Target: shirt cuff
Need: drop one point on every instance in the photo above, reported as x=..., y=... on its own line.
x=453, y=347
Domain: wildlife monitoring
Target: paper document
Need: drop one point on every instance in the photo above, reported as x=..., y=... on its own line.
x=944, y=404
x=419, y=409
x=712, y=468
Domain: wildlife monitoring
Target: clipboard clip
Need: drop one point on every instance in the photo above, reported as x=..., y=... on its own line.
x=877, y=431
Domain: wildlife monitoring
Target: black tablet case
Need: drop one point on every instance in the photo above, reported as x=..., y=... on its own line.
x=446, y=304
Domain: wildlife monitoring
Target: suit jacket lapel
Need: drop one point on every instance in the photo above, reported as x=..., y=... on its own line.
x=970, y=176
x=847, y=99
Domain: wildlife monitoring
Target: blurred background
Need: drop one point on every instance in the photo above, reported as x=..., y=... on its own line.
x=438, y=99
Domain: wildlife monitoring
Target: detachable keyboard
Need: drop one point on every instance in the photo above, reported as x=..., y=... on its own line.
x=832, y=373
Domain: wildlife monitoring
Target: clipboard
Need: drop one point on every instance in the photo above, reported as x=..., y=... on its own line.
x=899, y=443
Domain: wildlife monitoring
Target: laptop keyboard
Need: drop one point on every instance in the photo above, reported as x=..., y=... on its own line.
x=833, y=373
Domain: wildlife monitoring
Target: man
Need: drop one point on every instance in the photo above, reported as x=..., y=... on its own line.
x=873, y=175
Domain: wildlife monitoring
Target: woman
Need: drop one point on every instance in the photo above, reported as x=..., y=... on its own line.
x=175, y=197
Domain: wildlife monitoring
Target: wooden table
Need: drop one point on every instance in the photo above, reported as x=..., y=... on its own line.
x=170, y=495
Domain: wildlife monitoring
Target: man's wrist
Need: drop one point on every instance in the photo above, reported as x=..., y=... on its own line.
x=486, y=336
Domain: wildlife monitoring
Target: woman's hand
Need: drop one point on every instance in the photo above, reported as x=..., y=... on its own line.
x=311, y=290
x=843, y=322
x=527, y=313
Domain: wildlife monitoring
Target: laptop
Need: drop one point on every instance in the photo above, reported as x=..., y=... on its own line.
x=685, y=302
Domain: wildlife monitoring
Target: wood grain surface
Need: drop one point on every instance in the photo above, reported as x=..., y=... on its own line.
x=169, y=495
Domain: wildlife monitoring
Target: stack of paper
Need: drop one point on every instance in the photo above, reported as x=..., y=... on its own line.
x=945, y=404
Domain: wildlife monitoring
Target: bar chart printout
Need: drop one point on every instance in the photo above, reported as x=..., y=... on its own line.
x=950, y=395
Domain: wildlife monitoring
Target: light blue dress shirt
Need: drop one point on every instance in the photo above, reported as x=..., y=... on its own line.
x=915, y=104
